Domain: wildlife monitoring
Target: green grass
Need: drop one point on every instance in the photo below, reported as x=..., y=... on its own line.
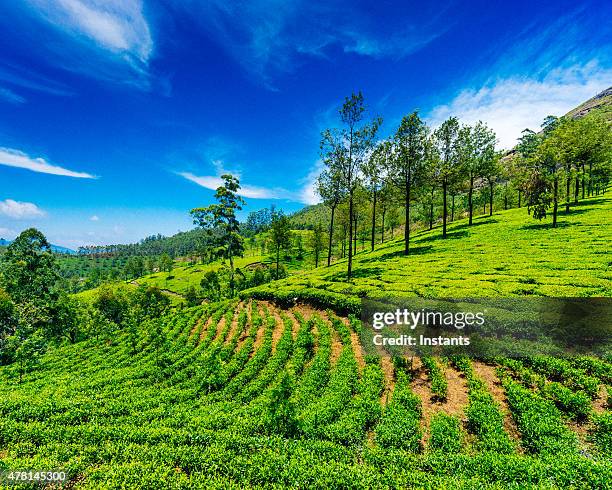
x=507, y=254
x=184, y=275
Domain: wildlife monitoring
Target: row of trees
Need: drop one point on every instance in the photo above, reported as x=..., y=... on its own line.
x=418, y=165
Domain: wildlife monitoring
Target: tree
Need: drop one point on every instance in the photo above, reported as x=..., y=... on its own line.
x=373, y=169
x=148, y=302
x=356, y=137
x=191, y=296
x=29, y=270
x=316, y=242
x=211, y=285
x=543, y=185
x=8, y=323
x=166, y=263
x=490, y=172
x=393, y=219
x=222, y=217
x=406, y=166
x=112, y=303
x=476, y=150
x=134, y=267
x=386, y=200
x=447, y=165
x=67, y=317
x=329, y=187
x=280, y=234
x=28, y=343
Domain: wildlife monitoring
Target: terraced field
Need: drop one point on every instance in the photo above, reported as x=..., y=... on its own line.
x=249, y=394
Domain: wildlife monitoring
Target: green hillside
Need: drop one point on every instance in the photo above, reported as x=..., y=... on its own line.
x=238, y=395
x=601, y=102
x=509, y=253
x=246, y=393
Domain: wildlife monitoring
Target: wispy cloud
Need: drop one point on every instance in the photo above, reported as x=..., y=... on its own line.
x=305, y=194
x=308, y=194
x=105, y=39
x=10, y=96
x=118, y=26
x=20, y=210
x=16, y=158
x=24, y=78
x=212, y=182
x=512, y=104
x=268, y=36
x=94, y=218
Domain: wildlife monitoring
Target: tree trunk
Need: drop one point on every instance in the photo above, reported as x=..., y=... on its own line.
x=519, y=198
x=382, y=226
x=277, y=259
x=431, y=209
x=470, y=198
x=231, y=261
x=407, y=217
x=506, y=196
x=590, y=189
x=350, y=236
x=331, y=233
x=444, y=210
x=490, y=199
x=567, y=192
x=576, y=188
x=355, y=236
x=452, y=208
x=583, y=177
x=373, y=219
x=555, y=201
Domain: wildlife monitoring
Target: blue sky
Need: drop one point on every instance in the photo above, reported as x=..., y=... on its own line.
x=118, y=116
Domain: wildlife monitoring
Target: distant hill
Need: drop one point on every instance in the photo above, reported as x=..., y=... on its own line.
x=56, y=248
x=305, y=218
x=602, y=101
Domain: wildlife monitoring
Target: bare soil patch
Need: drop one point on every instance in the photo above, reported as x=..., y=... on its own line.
x=234, y=325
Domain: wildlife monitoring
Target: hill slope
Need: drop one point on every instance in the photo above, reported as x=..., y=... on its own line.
x=507, y=254
x=242, y=395
x=602, y=101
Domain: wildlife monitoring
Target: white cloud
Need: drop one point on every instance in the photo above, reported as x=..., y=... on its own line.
x=308, y=193
x=7, y=232
x=212, y=182
x=16, y=158
x=512, y=104
x=118, y=26
x=20, y=210
x=94, y=218
x=11, y=96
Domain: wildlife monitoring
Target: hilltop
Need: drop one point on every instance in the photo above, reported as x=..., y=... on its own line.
x=602, y=101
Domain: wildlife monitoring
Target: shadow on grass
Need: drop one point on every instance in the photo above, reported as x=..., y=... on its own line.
x=590, y=201
x=398, y=253
x=358, y=273
x=544, y=226
x=475, y=223
x=449, y=236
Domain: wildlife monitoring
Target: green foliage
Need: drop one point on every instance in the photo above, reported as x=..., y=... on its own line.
x=539, y=421
x=28, y=269
x=601, y=434
x=221, y=223
x=445, y=433
x=439, y=385
x=399, y=427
